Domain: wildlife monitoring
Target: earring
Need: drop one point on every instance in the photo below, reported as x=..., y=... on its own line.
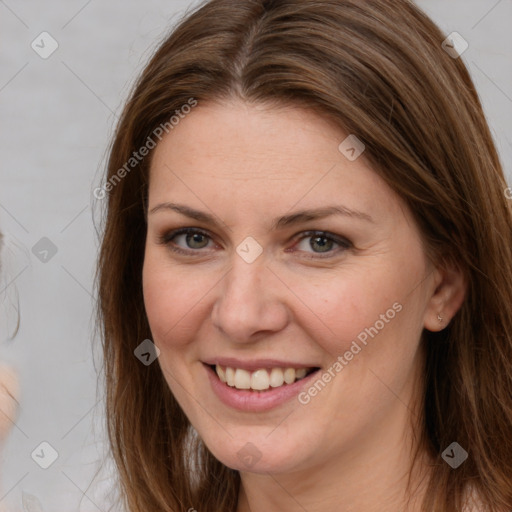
x=440, y=318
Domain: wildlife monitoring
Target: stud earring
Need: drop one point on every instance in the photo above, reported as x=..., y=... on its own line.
x=440, y=318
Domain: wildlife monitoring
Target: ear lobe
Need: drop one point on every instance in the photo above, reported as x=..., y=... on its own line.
x=449, y=291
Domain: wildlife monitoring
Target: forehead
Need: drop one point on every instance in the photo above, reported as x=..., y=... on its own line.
x=253, y=155
x=254, y=133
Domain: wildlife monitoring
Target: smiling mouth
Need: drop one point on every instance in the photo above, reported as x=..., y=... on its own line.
x=262, y=379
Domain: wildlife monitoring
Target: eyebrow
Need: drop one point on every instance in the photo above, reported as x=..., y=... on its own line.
x=279, y=223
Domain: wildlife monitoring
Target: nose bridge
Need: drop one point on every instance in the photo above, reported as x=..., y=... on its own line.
x=248, y=301
x=244, y=284
x=248, y=269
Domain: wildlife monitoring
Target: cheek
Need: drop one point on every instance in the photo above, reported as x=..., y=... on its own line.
x=172, y=299
x=341, y=307
x=369, y=315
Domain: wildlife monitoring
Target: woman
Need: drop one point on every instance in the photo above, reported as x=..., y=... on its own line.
x=305, y=275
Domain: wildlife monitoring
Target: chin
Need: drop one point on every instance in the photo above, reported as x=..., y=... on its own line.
x=259, y=453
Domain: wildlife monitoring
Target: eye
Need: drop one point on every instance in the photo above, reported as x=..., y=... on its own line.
x=322, y=242
x=193, y=239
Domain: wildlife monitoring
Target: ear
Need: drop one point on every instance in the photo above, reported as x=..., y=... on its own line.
x=448, y=292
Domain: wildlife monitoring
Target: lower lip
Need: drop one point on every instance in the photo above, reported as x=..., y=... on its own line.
x=256, y=401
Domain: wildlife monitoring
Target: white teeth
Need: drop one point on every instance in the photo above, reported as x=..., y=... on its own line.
x=289, y=375
x=260, y=379
x=230, y=376
x=221, y=373
x=276, y=377
x=242, y=379
x=300, y=373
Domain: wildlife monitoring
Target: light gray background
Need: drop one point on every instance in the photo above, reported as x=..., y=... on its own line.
x=57, y=118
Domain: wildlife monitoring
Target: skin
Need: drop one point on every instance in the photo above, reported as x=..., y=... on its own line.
x=349, y=448
x=9, y=391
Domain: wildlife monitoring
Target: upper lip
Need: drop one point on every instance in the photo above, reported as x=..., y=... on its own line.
x=256, y=364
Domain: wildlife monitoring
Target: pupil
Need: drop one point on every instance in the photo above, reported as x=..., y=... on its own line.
x=322, y=245
x=196, y=237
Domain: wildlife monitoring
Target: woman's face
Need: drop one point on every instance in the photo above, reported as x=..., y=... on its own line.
x=268, y=292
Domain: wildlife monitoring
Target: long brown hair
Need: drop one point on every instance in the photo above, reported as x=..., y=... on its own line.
x=378, y=70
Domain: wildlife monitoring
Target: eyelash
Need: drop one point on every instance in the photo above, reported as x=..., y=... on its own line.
x=167, y=238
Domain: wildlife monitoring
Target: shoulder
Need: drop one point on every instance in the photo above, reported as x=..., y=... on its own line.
x=473, y=502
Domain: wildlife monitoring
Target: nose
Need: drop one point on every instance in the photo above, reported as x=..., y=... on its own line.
x=251, y=303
